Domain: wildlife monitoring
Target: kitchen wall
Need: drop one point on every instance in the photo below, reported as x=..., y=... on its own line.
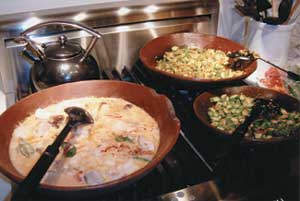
x=14, y=6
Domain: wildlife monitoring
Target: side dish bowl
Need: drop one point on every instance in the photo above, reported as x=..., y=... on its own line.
x=157, y=47
x=202, y=104
x=158, y=106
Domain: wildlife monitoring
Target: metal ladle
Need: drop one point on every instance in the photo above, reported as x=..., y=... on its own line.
x=76, y=116
x=290, y=74
x=248, y=56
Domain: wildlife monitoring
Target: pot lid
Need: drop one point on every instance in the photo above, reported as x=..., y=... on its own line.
x=62, y=49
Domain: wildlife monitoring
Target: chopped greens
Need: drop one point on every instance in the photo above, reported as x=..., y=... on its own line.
x=293, y=88
x=121, y=138
x=282, y=125
x=69, y=149
x=141, y=158
x=25, y=148
x=197, y=63
x=230, y=111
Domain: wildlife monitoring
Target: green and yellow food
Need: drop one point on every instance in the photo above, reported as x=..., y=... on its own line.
x=229, y=111
x=197, y=63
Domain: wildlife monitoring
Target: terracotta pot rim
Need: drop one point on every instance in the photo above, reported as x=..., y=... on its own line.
x=163, y=100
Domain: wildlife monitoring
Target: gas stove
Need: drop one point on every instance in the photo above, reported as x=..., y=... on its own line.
x=195, y=169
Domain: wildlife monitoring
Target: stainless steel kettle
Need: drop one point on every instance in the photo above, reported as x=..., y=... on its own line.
x=61, y=61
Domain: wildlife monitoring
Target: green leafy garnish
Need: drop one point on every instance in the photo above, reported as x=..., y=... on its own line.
x=141, y=158
x=25, y=148
x=290, y=88
x=121, y=138
x=71, y=152
x=69, y=149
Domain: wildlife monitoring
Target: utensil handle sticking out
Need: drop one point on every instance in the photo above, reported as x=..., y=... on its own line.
x=39, y=169
x=36, y=174
x=240, y=131
x=262, y=107
x=290, y=74
x=293, y=76
x=237, y=136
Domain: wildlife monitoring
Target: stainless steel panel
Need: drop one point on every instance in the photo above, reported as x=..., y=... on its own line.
x=123, y=14
x=124, y=46
x=123, y=43
x=124, y=35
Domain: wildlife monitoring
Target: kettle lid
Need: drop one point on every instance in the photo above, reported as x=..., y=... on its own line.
x=62, y=49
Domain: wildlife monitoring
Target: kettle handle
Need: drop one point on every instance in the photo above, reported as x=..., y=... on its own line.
x=32, y=46
x=96, y=35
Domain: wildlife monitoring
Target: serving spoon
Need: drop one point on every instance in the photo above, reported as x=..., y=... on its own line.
x=247, y=56
x=283, y=13
x=265, y=108
x=76, y=116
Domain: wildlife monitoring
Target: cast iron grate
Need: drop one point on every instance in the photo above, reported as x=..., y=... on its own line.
x=250, y=173
x=192, y=160
x=184, y=166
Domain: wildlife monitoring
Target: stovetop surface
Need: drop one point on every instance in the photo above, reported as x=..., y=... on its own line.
x=195, y=169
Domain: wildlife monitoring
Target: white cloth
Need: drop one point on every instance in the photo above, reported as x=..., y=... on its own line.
x=294, y=52
x=2, y=97
x=272, y=42
x=230, y=24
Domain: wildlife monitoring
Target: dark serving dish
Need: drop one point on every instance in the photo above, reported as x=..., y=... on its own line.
x=157, y=47
x=158, y=106
x=202, y=103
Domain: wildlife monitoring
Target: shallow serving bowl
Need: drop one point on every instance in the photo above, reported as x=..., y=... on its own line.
x=157, y=47
x=158, y=106
x=202, y=103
